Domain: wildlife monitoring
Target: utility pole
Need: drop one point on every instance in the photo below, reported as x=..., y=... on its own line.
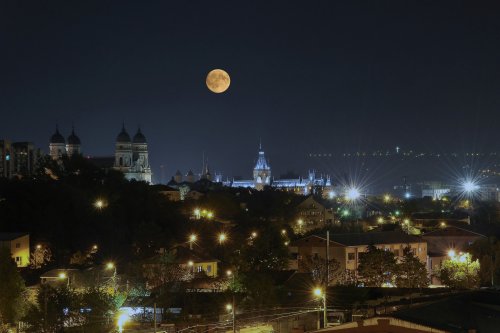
x=327, y=276
x=234, y=316
x=154, y=317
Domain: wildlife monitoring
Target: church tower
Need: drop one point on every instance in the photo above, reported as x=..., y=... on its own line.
x=140, y=157
x=57, y=145
x=74, y=145
x=261, y=171
x=123, y=151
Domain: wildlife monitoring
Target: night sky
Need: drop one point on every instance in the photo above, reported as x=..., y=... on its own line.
x=306, y=77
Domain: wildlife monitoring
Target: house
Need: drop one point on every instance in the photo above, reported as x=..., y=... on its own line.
x=311, y=214
x=19, y=245
x=441, y=241
x=60, y=276
x=172, y=194
x=347, y=248
x=196, y=261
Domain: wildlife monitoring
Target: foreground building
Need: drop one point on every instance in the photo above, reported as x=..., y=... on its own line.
x=18, y=244
x=442, y=241
x=347, y=249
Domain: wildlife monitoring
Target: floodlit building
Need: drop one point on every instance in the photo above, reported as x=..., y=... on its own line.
x=262, y=178
x=131, y=156
x=58, y=146
x=19, y=245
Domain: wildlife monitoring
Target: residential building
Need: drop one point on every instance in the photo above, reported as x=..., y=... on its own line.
x=25, y=159
x=311, y=214
x=347, y=249
x=62, y=276
x=196, y=261
x=6, y=161
x=19, y=245
x=441, y=241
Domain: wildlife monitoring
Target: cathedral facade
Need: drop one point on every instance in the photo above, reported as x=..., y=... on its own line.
x=262, y=177
x=131, y=156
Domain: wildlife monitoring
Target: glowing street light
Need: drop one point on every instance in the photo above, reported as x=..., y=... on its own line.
x=123, y=318
x=380, y=220
x=352, y=194
x=222, y=238
x=197, y=213
x=99, y=204
x=300, y=222
x=38, y=246
x=111, y=266
x=254, y=234
x=318, y=292
x=64, y=276
x=451, y=253
x=283, y=231
x=469, y=186
x=387, y=198
x=192, y=239
x=229, y=272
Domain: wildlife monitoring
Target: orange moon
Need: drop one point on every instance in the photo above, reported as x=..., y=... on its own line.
x=218, y=81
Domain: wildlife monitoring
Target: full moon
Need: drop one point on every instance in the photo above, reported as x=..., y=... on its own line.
x=218, y=81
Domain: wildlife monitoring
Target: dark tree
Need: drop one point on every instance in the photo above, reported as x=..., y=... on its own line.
x=411, y=272
x=377, y=267
x=11, y=289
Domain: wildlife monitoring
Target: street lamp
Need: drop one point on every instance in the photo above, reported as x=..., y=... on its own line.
x=222, y=238
x=192, y=239
x=254, y=234
x=99, y=204
x=300, y=222
x=63, y=276
x=352, y=194
x=122, y=319
x=322, y=296
x=111, y=265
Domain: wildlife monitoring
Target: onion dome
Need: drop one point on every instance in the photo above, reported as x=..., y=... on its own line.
x=123, y=135
x=57, y=137
x=73, y=139
x=139, y=137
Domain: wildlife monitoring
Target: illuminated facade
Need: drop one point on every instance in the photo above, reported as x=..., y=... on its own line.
x=262, y=177
x=131, y=156
x=58, y=146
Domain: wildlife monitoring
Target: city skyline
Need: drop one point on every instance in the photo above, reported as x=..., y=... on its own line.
x=348, y=77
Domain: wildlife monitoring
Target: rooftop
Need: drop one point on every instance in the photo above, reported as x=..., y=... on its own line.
x=8, y=236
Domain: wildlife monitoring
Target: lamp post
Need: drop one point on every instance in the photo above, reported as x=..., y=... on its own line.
x=300, y=222
x=112, y=266
x=192, y=239
x=63, y=276
x=229, y=273
x=322, y=295
x=222, y=238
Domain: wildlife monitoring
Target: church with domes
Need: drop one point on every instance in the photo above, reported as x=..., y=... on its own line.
x=58, y=146
x=131, y=156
